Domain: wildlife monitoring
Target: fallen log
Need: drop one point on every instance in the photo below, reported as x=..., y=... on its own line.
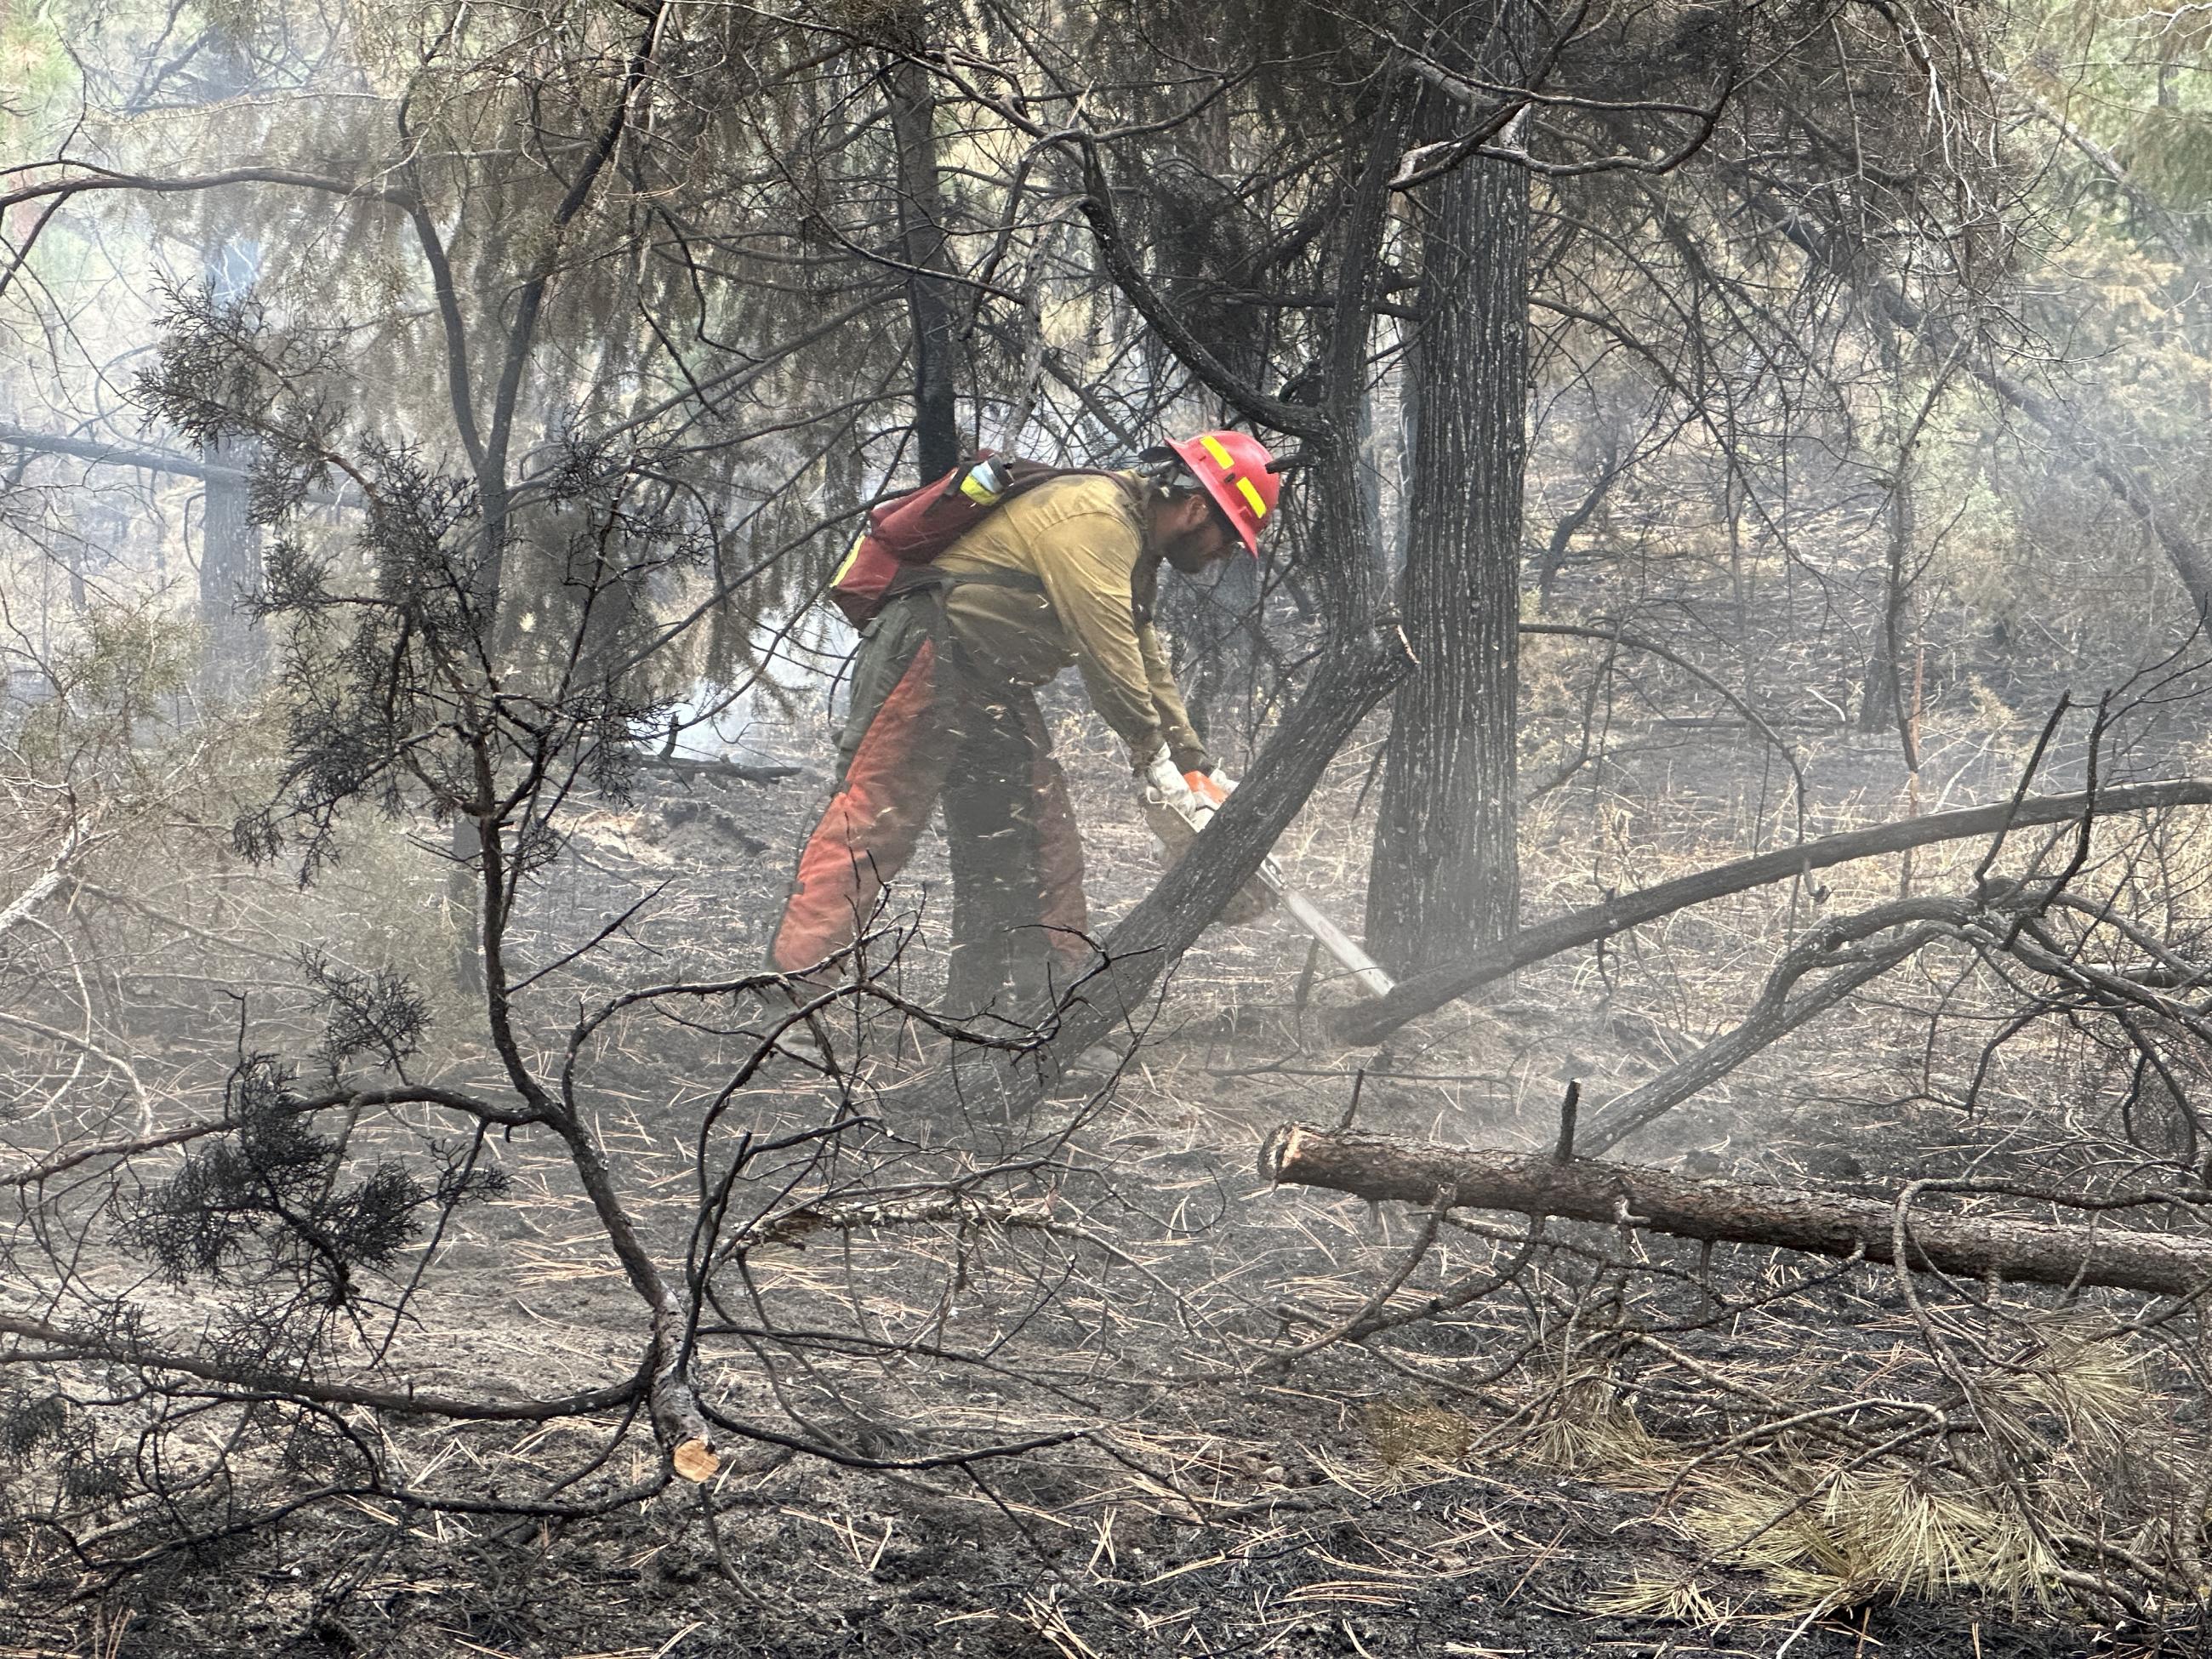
x=1377, y=1167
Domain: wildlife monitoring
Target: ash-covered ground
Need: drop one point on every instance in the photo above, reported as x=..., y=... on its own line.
x=1126, y=1288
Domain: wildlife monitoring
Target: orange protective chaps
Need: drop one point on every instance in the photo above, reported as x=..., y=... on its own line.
x=924, y=724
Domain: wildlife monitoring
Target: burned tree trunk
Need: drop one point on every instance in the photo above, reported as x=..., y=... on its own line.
x=1445, y=873
x=979, y=932
x=1376, y=1167
x=921, y=236
x=230, y=573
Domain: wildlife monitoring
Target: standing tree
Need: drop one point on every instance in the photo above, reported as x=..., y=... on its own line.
x=1446, y=865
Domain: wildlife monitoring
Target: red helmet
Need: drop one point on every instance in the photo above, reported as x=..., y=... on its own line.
x=1239, y=472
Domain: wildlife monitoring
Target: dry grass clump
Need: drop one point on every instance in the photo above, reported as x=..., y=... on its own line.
x=1825, y=1539
x=1837, y=1536
x=1406, y=1433
x=1588, y=1428
x=1681, y=1600
x=1591, y=1428
x=2060, y=1470
x=2095, y=1389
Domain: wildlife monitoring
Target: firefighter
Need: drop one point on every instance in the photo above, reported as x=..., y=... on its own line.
x=944, y=704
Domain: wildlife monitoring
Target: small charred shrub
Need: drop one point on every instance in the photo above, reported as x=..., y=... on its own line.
x=447, y=666
x=27, y=1418
x=106, y=697
x=223, y=372
x=470, y=653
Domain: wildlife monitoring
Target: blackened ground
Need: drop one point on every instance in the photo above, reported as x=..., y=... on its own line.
x=1445, y=1563
x=1218, y=1506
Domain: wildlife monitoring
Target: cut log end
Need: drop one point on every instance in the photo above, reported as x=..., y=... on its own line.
x=696, y=1461
x=1280, y=1152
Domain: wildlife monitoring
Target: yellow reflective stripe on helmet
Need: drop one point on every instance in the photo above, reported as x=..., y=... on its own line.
x=1211, y=446
x=1251, y=498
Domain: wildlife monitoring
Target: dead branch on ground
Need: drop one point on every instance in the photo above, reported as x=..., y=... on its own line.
x=1422, y=993
x=1383, y=1167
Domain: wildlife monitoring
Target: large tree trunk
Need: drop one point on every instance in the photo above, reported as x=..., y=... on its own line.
x=1377, y=1167
x=1884, y=700
x=977, y=952
x=1446, y=873
x=230, y=573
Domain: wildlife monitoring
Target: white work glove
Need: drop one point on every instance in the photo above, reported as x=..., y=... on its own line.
x=1162, y=785
x=1176, y=805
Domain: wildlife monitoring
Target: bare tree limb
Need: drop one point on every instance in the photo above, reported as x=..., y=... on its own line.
x=1371, y=1022
x=1774, y=1017
x=145, y=460
x=79, y=838
x=63, y=1344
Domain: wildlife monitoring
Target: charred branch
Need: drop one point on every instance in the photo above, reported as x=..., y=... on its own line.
x=1424, y=993
x=57, y=1343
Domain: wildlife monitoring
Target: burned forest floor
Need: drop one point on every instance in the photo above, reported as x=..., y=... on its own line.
x=1203, y=1465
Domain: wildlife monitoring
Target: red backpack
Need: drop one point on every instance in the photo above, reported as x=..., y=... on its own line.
x=910, y=530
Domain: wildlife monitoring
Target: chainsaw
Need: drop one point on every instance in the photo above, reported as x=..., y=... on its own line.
x=1176, y=821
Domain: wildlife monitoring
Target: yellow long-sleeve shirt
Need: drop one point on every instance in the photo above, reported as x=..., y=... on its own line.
x=1083, y=541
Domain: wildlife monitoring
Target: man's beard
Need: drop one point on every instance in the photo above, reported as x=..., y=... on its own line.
x=1191, y=551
